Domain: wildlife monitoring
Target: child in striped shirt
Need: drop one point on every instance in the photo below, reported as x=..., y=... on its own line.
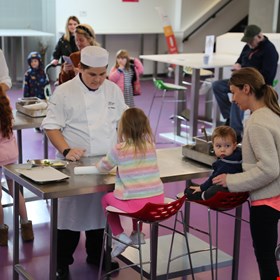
x=137, y=179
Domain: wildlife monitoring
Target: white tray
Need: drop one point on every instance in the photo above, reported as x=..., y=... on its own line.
x=43, y=174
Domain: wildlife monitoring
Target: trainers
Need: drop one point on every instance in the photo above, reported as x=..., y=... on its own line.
x=134, y=238
x=4, y=235
x=119, y=247
x=27, y=232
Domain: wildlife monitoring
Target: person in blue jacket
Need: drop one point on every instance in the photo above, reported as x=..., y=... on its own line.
x=229, y=160
x=259, y=53
x=35, y=78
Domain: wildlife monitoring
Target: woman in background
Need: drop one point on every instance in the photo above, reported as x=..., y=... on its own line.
x=84, y=36
x=126, y=74
x=66, y=44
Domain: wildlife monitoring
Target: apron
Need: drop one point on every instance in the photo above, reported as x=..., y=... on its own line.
x=84, y=212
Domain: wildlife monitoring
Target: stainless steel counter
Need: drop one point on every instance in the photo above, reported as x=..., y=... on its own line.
x=173, y=167
x=21, y=122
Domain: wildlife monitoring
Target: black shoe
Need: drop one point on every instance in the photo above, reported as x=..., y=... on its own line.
x=62, y=273
x=192, y=196
x=114, y=264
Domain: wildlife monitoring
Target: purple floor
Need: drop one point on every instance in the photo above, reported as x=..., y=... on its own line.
x=35, y=256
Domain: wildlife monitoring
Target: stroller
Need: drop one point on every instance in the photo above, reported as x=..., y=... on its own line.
x=48, y=90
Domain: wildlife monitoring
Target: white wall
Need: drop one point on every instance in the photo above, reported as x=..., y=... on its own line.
x=234, y=12
x=115, y=16
x=265, y=15
x=21, y=14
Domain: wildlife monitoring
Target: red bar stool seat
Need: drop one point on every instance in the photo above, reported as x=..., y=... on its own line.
x=151, y=214
x=221, y=202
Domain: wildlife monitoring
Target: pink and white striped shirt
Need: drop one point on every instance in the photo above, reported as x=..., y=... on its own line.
x=137, y=176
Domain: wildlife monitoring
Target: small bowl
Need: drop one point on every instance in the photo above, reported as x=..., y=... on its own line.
x=58, y=164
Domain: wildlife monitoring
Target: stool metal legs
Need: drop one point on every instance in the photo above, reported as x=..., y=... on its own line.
x=170, y=259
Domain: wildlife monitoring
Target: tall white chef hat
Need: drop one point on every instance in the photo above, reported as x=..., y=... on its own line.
x=94, y=56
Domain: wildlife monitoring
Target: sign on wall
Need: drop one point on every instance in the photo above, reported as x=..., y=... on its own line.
x=168, y=31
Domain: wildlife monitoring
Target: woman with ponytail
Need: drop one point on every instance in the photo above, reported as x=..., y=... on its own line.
x=261, y=164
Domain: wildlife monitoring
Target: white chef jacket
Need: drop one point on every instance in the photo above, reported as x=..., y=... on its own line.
x=88, y=119
x=4, y=71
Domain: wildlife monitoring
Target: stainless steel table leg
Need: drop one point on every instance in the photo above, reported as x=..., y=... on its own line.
x=19, y=141
x=153, y=250
x=53, y=239
x=16, y=230
x=46, y=148
x=216, y=111
x=194, y=102
x=179, y=95
x=236, y=244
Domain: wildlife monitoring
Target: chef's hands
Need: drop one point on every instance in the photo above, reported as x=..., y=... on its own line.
x=75, y=154
x=220, y=180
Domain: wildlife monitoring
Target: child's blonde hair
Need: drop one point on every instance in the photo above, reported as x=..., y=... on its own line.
x=123, y=54
x=134, y=129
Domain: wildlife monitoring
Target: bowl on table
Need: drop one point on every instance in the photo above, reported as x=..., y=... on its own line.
x=55, y=163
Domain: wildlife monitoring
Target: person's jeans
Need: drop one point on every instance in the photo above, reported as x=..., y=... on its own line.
x=264, y=231
x=228, y=110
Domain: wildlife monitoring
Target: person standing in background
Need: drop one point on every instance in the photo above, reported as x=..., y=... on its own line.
x=126, y=74
x=35, y=78
x=84, y=36
x=66, y=44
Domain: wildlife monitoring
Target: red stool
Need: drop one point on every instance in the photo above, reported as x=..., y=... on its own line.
x=151, y=214
x=220, y=202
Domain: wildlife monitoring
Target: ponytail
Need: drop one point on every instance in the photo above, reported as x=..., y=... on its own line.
x=259, y=88
x=271, y=99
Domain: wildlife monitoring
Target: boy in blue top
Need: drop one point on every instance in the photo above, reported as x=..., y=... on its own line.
x=229, y=160
x=35, y=78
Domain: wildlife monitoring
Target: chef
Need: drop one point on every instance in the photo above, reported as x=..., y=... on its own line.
x=81, y=121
